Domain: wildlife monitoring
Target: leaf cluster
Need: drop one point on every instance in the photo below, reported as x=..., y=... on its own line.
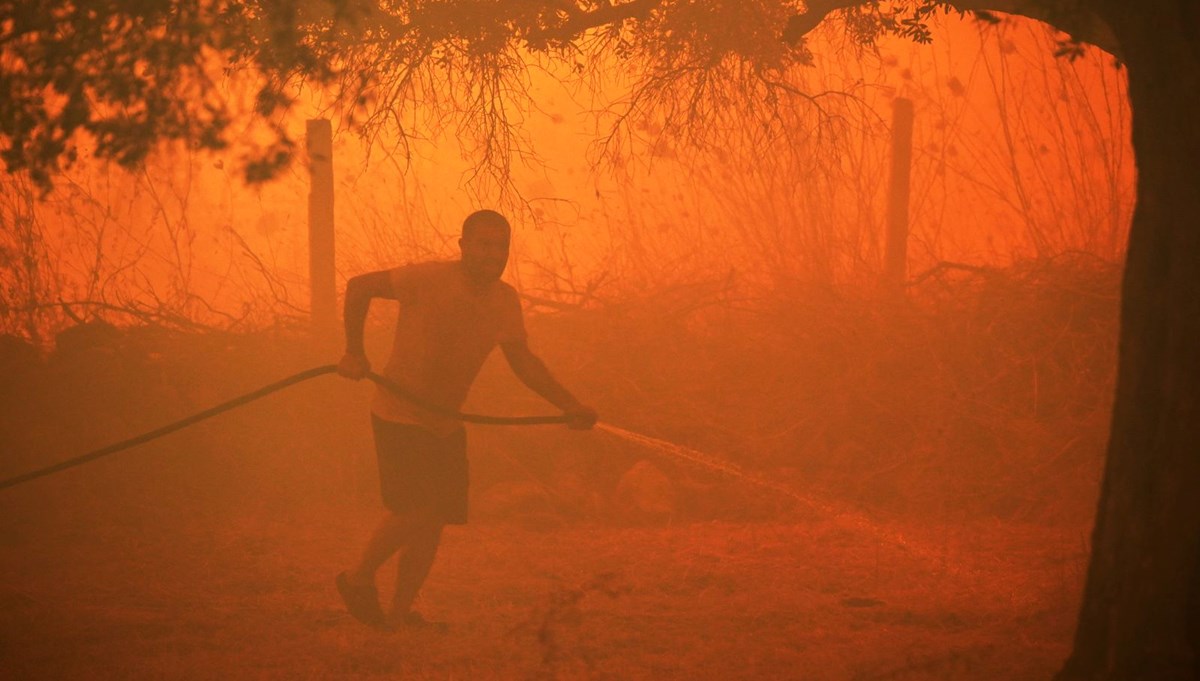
x=910, y=20
x=125, y=75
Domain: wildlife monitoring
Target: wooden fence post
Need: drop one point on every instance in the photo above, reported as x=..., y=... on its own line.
x=321, y=271
x=896, y=257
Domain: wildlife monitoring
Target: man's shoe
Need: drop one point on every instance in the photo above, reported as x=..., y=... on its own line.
x=414, y=621
x=362, y=602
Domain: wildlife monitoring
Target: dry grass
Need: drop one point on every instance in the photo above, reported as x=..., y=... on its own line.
x=986, y=393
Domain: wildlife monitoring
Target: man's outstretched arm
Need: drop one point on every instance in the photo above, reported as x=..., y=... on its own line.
x=359, y=292
x=533, y=372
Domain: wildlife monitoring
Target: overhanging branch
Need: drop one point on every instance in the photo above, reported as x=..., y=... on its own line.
x=578, y=22
x=1069, y=16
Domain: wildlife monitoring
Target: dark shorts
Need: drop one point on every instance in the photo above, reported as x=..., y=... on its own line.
x=420, y=472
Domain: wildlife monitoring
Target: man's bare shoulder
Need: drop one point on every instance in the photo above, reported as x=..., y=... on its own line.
x=410, y=279
x=426, y=267
x=507, y=295
x=508, y=291
x=424, y=270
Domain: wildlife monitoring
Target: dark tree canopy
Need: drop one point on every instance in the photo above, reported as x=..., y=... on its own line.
x=117, y=77
x=130, y=74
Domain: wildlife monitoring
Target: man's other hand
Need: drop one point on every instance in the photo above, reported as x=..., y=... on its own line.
x=580, y=417
x=354, y=366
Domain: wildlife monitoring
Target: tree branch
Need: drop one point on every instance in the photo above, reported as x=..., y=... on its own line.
x=578, y=22
x=1069, y=16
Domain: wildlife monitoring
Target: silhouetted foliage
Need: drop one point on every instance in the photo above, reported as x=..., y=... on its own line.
x=129, y=74
x=116, y=78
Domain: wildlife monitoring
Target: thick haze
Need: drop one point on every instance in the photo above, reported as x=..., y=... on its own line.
x=793, y=476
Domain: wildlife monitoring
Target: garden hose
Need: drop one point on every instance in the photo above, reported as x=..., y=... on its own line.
x=847, y=516
x=386, y=383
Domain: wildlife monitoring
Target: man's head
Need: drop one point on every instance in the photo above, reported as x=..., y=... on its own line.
x=484, y=245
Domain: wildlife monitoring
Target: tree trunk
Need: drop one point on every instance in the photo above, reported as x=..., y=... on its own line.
x=1139, y=616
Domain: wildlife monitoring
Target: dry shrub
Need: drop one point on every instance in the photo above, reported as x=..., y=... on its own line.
x=985, y=391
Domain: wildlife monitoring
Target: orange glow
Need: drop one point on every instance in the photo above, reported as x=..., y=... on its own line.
x=798, y=475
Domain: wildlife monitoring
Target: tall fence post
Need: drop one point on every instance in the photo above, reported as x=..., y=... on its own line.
x=321, y=271
x=896, y=257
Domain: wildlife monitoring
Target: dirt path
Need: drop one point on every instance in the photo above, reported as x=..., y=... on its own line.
x=250, y=595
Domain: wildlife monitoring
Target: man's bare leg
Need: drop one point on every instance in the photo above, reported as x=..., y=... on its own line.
x=416, y=534
x=413, y=565
x=391, y=534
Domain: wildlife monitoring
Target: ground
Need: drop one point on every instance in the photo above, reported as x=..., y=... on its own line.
x=250, y=595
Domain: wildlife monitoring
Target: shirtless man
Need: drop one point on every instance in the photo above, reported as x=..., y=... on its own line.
x=452, y=314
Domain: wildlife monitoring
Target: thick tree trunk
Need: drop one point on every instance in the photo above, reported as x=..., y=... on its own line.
x=1139, y=617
